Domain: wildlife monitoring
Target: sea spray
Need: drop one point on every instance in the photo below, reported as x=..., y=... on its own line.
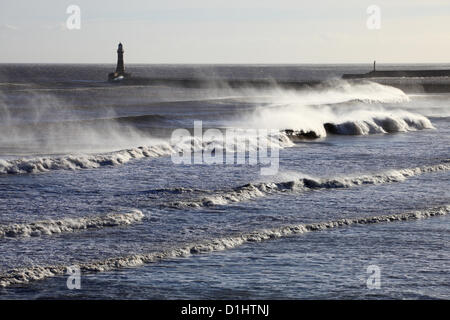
x=82, y=161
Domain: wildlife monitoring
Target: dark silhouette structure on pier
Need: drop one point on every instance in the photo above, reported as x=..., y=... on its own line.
x=120, y=73
x=398, y=73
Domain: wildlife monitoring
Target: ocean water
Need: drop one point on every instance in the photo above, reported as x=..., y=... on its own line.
x=87, y=179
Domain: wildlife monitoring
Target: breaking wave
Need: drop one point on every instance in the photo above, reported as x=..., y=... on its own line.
x=74, y=162
x=395, y=122
x=317, y=122
x=67, y=225
x=25, y=275
x=344, y=108
x=256, y=190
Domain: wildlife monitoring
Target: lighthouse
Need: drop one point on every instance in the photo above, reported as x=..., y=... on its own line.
x=120, y=69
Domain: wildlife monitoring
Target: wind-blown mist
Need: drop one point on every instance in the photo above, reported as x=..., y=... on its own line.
x=45, y=124
x=339, y=108
x=71, y=135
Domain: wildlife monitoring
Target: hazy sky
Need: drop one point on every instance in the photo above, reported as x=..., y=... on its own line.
x=228, y=31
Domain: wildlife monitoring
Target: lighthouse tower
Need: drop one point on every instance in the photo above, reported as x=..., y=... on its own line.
x=120, y=69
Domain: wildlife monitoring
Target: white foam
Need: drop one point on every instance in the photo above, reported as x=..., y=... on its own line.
x=34, y=273
x=82, y=161
x=66, y=225
x=73, y=162
x=353, y=108
x=331, y=92
x=258, y=190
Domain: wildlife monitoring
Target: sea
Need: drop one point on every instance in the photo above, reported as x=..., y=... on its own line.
x=96, y=204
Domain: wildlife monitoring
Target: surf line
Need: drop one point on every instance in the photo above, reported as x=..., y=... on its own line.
x=69, y=225
x=37, y=272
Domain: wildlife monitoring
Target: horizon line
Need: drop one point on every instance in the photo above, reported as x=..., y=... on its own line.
x=229, y=63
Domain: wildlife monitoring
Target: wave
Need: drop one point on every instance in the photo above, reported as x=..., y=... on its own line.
x=285, y=138
x=257, y=190
x=318, y=122
x=25, y=275
x=372, y=124
x=345, y=108
x=74, y=162
x=385, y=124
x=67, y=225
